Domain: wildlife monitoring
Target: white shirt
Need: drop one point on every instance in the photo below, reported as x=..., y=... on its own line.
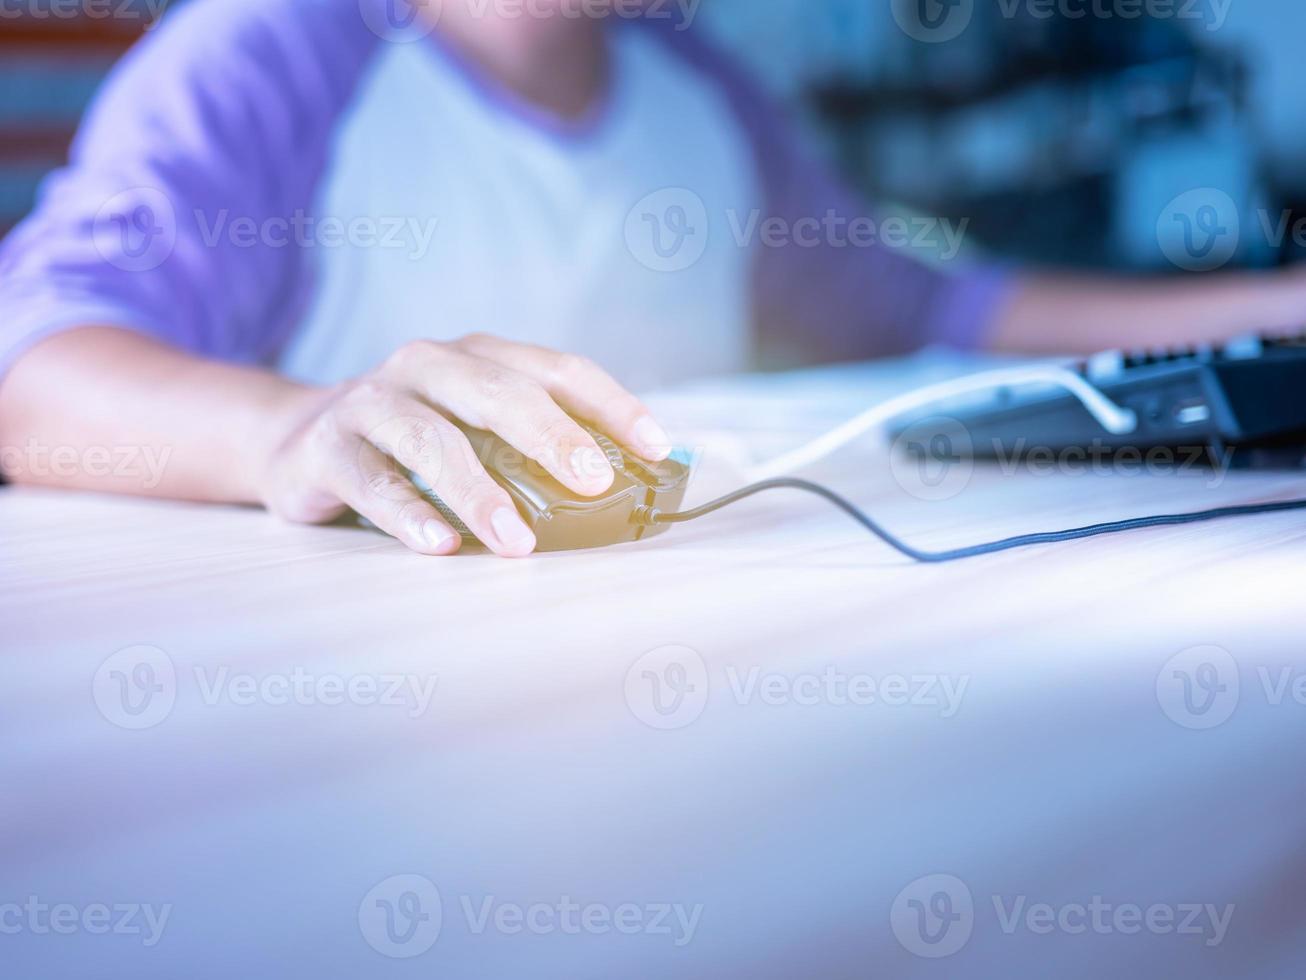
x=532, y=232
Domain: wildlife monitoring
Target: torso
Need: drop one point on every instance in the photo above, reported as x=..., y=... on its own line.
x=534, y=233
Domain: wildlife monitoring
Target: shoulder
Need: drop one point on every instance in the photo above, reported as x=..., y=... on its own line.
x=211, y=61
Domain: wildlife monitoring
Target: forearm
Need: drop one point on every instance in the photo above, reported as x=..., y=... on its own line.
x=100, y=408
x=1068, y=315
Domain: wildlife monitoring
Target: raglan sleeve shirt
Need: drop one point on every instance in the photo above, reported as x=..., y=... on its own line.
x=222, y=118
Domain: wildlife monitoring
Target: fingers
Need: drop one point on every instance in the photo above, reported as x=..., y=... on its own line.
x=377, y=490
x=489, y=395
x=404, y=431
x=581, y=387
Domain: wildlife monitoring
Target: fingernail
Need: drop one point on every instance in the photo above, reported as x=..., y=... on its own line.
x=591, y=468
x=437, y=535
x=512, y=533
x=653, y=439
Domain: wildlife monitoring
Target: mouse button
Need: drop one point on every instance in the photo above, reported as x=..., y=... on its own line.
x=590, y=523
x=533, y=490
x=619, y=496
x=665, y=475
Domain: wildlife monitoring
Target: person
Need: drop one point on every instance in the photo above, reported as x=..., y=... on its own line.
x=299, y=240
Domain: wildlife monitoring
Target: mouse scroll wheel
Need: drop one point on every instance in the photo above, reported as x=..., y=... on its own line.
x=610, y=450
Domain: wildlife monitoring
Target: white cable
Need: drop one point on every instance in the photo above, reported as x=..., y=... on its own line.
x=1112, y=417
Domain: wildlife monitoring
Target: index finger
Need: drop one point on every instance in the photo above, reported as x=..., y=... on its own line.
x=582, y=388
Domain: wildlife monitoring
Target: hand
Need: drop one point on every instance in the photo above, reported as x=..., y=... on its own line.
x=354, y=448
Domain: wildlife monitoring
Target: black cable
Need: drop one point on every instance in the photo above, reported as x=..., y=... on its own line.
x=653, y=516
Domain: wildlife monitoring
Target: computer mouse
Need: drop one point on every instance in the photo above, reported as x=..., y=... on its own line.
x=562, y=519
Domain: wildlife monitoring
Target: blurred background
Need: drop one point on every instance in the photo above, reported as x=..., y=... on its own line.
x=1061, y=130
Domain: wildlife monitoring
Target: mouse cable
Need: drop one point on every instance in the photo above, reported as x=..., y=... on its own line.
x=651, y=516
x=1114, y=418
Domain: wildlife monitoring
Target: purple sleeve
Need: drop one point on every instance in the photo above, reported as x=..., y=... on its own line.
x=217, y=123
x=831, y=298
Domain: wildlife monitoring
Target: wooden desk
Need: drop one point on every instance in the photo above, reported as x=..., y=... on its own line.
x=792, y=815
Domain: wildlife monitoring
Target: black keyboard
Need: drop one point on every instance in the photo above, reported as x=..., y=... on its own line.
x=1240, y=404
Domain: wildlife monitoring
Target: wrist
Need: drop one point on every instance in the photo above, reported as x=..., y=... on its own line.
x=278, y=411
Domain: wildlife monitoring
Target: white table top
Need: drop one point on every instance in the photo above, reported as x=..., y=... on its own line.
x=1043, y=753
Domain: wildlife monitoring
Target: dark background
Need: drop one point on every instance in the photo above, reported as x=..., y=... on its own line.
x=1059, y=130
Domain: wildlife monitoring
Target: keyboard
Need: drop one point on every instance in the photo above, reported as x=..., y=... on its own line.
x=1240, y=404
